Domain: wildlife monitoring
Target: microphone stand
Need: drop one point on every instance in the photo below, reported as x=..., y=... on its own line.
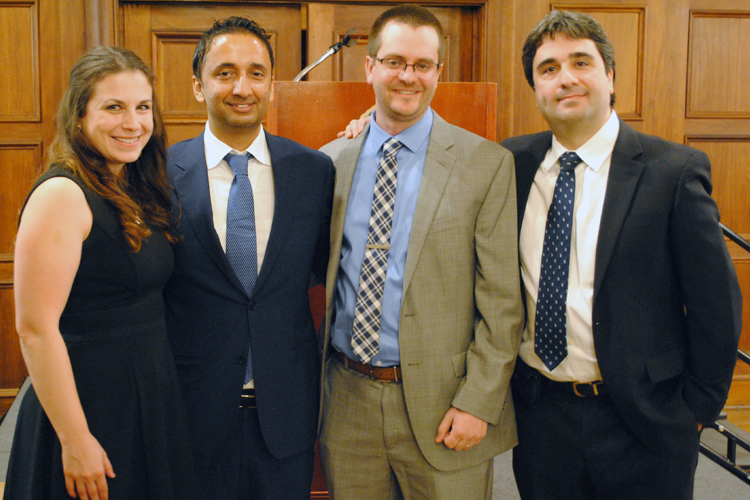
x=345, y=42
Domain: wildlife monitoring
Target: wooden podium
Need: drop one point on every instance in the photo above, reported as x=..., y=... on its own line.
x=312, y=113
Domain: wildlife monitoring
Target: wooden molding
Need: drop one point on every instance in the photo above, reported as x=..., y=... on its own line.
x=8, y=393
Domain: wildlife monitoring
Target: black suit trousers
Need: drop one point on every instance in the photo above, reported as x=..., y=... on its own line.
x=573, y=448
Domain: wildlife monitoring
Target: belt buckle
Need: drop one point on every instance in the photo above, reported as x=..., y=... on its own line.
x=594, y=386
x=383, y=381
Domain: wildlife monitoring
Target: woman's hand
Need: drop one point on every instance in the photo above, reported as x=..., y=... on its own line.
x=86, y=468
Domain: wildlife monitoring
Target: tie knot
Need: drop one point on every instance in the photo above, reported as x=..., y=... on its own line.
x=238, y=163
x=569, y=160
x=391, y=147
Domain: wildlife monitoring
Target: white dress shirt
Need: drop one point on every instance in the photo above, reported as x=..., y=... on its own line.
x=220, y=177
x=580, y=365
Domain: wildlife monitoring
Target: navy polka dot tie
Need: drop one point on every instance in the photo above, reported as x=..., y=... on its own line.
x=550, y=342
x=242, y=248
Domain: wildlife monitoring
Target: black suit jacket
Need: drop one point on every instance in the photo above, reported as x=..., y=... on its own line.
x=210, y=319
x=667, y=308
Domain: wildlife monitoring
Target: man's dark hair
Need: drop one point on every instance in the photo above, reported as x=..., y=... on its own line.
x=231, y=25
x=573, y=25
x=411, y=15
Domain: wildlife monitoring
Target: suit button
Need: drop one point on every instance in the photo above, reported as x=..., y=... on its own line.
x=242, y=360
x=252, y=305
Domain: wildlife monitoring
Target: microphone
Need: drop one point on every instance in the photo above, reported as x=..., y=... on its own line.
x=345, y=42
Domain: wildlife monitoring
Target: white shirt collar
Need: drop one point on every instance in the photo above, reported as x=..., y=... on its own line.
x=217, y=150
x=594, y=151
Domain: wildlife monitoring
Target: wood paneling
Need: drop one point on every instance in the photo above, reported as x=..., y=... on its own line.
x=19, y=37
x=13, y=368
x=173, y=53
x=718, y=49
x=18, y=169
x=730, y=176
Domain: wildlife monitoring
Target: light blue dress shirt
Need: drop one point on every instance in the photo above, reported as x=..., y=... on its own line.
x=411, y=161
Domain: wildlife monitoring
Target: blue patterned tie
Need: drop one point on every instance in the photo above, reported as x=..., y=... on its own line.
x=242, y=250
x=550, y=342
x=366, y=328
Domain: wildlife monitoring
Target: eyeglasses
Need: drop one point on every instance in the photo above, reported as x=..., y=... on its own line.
x=398, y=66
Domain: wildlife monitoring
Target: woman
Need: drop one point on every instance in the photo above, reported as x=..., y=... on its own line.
x=104, y=418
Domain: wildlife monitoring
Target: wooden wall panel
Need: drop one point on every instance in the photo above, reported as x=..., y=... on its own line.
x=19, y=37
x=730, y=176
x=718, y=48
x=18, y=169
x=173, y=55
x=13, y=368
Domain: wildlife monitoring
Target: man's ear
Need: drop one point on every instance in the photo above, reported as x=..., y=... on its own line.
x=368, y=68
x=198, y=90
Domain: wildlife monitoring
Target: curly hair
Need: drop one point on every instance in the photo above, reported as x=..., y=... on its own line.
x=143, y=193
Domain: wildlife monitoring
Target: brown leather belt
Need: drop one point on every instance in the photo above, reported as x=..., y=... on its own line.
x=247, y=400
x=389, y=374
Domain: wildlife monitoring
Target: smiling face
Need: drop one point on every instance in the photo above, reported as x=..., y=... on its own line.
x=402, y=97
x=572, y=88
x=236, y=87
x=119, y=118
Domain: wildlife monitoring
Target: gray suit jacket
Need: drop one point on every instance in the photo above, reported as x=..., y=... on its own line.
x=461, y=314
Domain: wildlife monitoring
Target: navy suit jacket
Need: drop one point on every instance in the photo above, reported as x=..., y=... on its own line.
x=667, y=308
x=211, y=320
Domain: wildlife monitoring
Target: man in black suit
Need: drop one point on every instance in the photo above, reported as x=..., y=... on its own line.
x=255, y=227
x=612, y=392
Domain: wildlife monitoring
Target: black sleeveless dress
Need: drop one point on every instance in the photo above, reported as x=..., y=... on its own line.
x=113, y=327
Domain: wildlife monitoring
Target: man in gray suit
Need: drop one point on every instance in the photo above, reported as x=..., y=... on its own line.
x=424, y=313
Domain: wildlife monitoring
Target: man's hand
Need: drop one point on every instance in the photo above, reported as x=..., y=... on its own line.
x=460, y=430
x=355, y=127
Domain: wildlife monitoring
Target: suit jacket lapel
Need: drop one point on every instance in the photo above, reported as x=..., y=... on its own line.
x=527, y=164
x=190, y=179
x=285, y=192
x=346, y=163
x=624, y=173
x=437, y=170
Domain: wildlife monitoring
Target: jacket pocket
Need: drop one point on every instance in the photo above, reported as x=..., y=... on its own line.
x=459, y=364
x=449, y=223
x=665, y=365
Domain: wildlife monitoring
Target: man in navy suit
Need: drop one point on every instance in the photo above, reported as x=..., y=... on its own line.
x=651, y=318
x=237, y=306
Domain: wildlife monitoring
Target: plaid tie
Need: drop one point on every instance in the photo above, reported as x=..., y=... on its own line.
x=550, y=342
x=366, y=328
x=242, y=250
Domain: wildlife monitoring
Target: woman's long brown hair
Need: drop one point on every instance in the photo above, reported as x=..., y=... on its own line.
x=141, y=197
